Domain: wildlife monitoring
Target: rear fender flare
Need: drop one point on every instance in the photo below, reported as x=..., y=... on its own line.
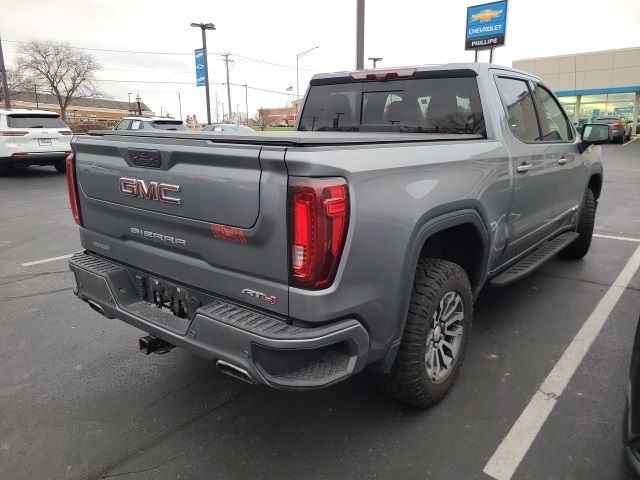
x=427, y=227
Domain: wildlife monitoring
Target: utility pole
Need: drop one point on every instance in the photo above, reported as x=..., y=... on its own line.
x=360, y=35
x=226, y=64
x=204, y=27
x=217, y=104
x=375, y=60
x=129, y=103
x=180, y=105
x=5, y=83
x=246, y=100
x=222, y=104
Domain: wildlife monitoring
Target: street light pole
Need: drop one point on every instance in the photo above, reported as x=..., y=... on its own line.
x=375, y=60
x=298, y=57
x=204, y=27
x=180, y=105
x=360, y=35
x=129, y=103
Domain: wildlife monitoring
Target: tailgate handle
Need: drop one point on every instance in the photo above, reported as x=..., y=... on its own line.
x=145, y=158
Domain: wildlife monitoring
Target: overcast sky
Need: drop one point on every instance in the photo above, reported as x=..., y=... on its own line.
x=404, y=32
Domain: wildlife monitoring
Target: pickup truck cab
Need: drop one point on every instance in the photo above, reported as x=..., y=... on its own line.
x=359, y=240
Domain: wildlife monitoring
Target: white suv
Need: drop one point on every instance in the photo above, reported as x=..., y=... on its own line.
x=33, y=137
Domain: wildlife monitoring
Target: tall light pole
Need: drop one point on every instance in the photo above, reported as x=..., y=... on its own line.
x=129, y=103
x=375, y=60
x=360, y=35
x=180, y=105
x=246, y=100
x=204, y=27
x=298, y=57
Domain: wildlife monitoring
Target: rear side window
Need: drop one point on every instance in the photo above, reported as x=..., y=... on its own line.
x=35, y=121
x=436, y=105
x=168, y=125
x=553, y=120
x=521, y=113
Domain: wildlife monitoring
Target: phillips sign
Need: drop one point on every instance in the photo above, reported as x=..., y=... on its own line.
x=486, y=26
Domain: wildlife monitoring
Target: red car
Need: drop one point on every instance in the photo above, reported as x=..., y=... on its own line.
x=620, y=125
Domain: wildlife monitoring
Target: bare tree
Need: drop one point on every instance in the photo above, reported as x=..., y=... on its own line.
x=69, y=72
x=17, y=83
x=263, y=118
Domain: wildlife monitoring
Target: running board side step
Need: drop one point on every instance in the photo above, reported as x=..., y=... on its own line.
x=534, y=260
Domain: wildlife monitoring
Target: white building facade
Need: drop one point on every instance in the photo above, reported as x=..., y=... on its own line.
x=594, y=84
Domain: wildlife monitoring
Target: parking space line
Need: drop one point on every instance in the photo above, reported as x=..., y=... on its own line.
x=507, y=457
x=47, y=260
x=631, y=141
x=613, y=237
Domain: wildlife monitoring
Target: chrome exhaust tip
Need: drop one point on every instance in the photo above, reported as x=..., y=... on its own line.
x=236, y=372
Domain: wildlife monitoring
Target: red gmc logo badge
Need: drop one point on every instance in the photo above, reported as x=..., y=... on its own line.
x=151, y=191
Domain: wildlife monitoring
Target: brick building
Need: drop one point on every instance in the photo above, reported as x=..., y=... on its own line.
x=85, y=110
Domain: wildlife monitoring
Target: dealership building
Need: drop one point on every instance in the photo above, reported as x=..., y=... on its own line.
x=594, y=84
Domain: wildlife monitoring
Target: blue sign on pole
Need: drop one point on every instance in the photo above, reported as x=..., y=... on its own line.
x=200, y=81
x=486, y=25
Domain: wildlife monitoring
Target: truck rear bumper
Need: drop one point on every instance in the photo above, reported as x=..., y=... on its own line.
x=266, y=348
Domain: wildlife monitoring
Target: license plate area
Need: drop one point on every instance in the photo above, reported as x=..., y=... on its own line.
x=169, y=297
x=44, y=142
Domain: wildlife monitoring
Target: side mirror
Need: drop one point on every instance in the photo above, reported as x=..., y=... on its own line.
x=595, y=134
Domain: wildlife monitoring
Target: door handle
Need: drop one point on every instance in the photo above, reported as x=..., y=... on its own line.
x=562, y=161
x=524, y=168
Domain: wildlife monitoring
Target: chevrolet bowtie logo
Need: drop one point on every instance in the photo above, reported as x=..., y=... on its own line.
x=485, y=15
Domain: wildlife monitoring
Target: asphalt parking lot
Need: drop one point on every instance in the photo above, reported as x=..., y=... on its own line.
x=77, y=399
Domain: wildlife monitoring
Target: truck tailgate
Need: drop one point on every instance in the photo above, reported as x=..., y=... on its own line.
x=211, y=216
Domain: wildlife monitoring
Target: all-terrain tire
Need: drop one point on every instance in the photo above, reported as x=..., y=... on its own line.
x=579, y=248
x=409, y=379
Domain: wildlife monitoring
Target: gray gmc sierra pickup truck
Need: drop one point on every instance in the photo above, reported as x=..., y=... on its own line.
x=359, y=240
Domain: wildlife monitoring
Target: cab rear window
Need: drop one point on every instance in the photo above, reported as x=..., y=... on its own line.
x=34, y=121
x=168, y=125
x=435, y=105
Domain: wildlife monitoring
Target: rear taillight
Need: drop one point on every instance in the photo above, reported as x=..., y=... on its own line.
x=13, y=133
x=616, y=125
x=318, y=219
x=73, y=192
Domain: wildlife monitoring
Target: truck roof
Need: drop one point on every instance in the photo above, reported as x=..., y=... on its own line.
x=437, y=70
x=27, y=111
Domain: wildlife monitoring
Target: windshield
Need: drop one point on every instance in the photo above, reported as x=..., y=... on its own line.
x=31, y=120
x=440, y=105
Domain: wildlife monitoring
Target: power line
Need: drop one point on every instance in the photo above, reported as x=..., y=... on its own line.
x=255, y=60
x=144, y=52
x=189, y=83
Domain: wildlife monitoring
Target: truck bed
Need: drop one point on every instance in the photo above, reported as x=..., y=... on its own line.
x=295, y=139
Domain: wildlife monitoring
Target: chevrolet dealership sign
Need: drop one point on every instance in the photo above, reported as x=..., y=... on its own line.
x=486, y=26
